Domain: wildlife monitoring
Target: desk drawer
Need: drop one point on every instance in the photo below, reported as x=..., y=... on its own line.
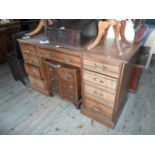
x=100, y=80
x=98, y=107
x=27, y=48
x=31, y=59
x=102, y=96
x=61, y=57
x=37, y=82
x=101, y=67
x=33, y=70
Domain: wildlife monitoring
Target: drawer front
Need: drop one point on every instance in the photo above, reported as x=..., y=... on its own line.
x=100, y=80
x=98, y=107
x=62, y=57
x=31, y=59
x=32, y=70
x=36, y=82
x=104, y=97
x=27, y=48
x=101, y=67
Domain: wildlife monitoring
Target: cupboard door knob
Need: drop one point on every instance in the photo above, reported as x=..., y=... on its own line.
x=70, y=86
x=96, y=109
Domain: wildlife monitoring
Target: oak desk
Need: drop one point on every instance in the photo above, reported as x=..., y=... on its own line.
x=104, y=79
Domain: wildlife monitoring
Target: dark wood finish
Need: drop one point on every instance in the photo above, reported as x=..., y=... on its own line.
x=104, y=74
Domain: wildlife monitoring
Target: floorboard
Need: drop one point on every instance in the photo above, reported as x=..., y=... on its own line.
x=24, y=111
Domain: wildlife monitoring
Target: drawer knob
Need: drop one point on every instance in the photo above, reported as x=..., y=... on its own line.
x=70, y=86
x=67, y=58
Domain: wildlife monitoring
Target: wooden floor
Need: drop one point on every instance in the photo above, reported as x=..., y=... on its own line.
x=24, y=111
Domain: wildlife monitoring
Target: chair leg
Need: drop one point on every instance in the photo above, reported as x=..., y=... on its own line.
x=102, y=27
x=117, y=32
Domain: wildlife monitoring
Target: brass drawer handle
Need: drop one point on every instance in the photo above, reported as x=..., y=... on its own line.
x=70, y=86
x=67, y=58
x=98, y=94
x=95, y=79
x=26, y=50
x=35, y=83
x=101, y=81
x=100, y=66
x=96, y=109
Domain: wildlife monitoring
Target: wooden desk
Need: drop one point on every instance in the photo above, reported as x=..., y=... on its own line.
x=104, y=75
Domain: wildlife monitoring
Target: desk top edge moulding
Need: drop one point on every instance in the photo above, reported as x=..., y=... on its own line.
x=99, y=77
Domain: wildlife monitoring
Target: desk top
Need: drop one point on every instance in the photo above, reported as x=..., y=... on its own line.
x=106, y=51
